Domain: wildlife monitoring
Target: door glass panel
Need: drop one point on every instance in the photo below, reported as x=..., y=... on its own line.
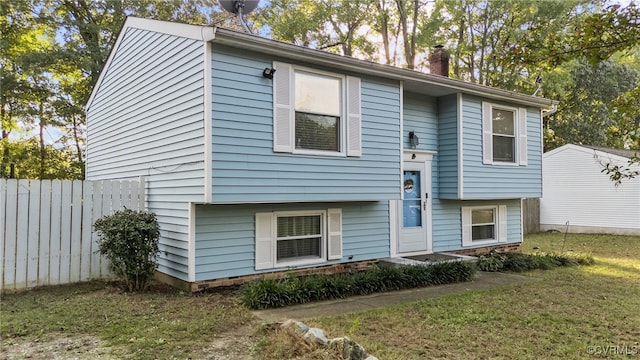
x=412, y=203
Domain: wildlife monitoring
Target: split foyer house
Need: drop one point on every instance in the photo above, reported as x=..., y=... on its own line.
x=327, y=160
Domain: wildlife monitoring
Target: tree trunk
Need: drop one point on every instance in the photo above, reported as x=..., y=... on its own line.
x=76, y=139
x=42, y=146
x=384, y=30
x=5, y=148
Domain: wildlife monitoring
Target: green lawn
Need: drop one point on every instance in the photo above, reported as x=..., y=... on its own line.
x=560, y=316
x=162, y=323
x=569, y=313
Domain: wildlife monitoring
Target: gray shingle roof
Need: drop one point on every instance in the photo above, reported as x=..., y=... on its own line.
x=620, y=152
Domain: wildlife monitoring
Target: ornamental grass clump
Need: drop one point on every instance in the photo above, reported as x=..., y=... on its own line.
x=129, y=240
x=272, y=293
x=518, y=262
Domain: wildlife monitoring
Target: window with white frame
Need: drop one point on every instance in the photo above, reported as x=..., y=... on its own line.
x=504, y=134
x=292, y=238
x=318, y=111
x=315, y=112
x=484, y=224
x=504, y=131
x=299, y=237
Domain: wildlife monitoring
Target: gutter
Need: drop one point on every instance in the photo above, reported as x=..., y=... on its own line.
x=554, y=109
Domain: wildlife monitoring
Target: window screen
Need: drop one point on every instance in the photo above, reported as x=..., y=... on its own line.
x=299, y=237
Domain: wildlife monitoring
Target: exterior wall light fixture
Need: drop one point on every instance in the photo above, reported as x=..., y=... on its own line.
x=268, y=72
x=413, y=140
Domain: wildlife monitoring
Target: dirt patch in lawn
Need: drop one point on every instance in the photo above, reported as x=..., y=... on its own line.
x=99, y=321
x=234, y=345
x=87, y=347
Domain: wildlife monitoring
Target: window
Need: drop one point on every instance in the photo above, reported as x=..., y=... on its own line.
x=315, y=112
x=291, y=238
x=504, y=135
x=298, y=237
x=484, y=224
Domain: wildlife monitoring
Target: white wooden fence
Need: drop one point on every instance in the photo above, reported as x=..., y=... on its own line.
x=46, y=228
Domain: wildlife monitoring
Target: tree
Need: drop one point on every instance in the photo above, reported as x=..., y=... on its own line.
x=53, y=53
x=598, y=36
x=333, y=25
x=27, y=85
x=585, y=114
x=491, y=40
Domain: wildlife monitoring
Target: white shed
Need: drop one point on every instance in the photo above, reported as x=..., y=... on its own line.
x=577, y=192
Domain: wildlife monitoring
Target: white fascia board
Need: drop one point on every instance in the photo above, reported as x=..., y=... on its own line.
x=195, y=32
x=559, y=149
x=294, y=52
x=207, y=117
x=191, y=243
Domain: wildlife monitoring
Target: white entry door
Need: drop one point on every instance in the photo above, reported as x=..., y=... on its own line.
x=414, y=209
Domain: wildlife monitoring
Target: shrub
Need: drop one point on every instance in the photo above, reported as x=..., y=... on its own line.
x=518, y=262
x=129, y=239
x=270, y=293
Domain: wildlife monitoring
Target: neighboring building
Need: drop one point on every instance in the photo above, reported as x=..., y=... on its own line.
x=579, y=194
x=333, y=160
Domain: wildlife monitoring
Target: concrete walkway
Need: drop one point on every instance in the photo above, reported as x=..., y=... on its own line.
x=482, y=281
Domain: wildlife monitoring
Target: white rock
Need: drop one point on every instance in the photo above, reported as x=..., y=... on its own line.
x=315, y=335
x=299, y=327
x=350, y=349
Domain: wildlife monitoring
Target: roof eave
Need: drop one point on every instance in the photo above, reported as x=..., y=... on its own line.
x=294, y=52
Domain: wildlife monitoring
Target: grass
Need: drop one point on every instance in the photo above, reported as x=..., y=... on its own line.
x=159, y=323
x=558, y=317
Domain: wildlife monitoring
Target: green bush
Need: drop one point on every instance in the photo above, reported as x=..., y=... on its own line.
x=129, y=239
x=518, y=262
x=270, y=293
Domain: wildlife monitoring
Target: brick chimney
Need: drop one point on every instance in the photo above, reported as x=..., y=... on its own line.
x=439, y=61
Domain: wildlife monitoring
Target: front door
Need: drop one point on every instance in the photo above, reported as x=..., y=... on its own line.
x=414, y=208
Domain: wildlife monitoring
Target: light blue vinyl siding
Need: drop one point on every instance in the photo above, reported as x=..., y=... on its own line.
x=225, y=235
x=447, y=222
x=448, y=147
x=147, y=120
x=440, y=134
x=420, y=116
x=245, y=168
x=499, y=181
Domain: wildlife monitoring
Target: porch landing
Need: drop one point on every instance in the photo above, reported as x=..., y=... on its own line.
x=428, y=259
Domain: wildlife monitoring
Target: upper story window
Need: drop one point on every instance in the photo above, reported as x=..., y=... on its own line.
x=315, y=112
x=318, y=111
x=504, y=134
x=504, y=138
